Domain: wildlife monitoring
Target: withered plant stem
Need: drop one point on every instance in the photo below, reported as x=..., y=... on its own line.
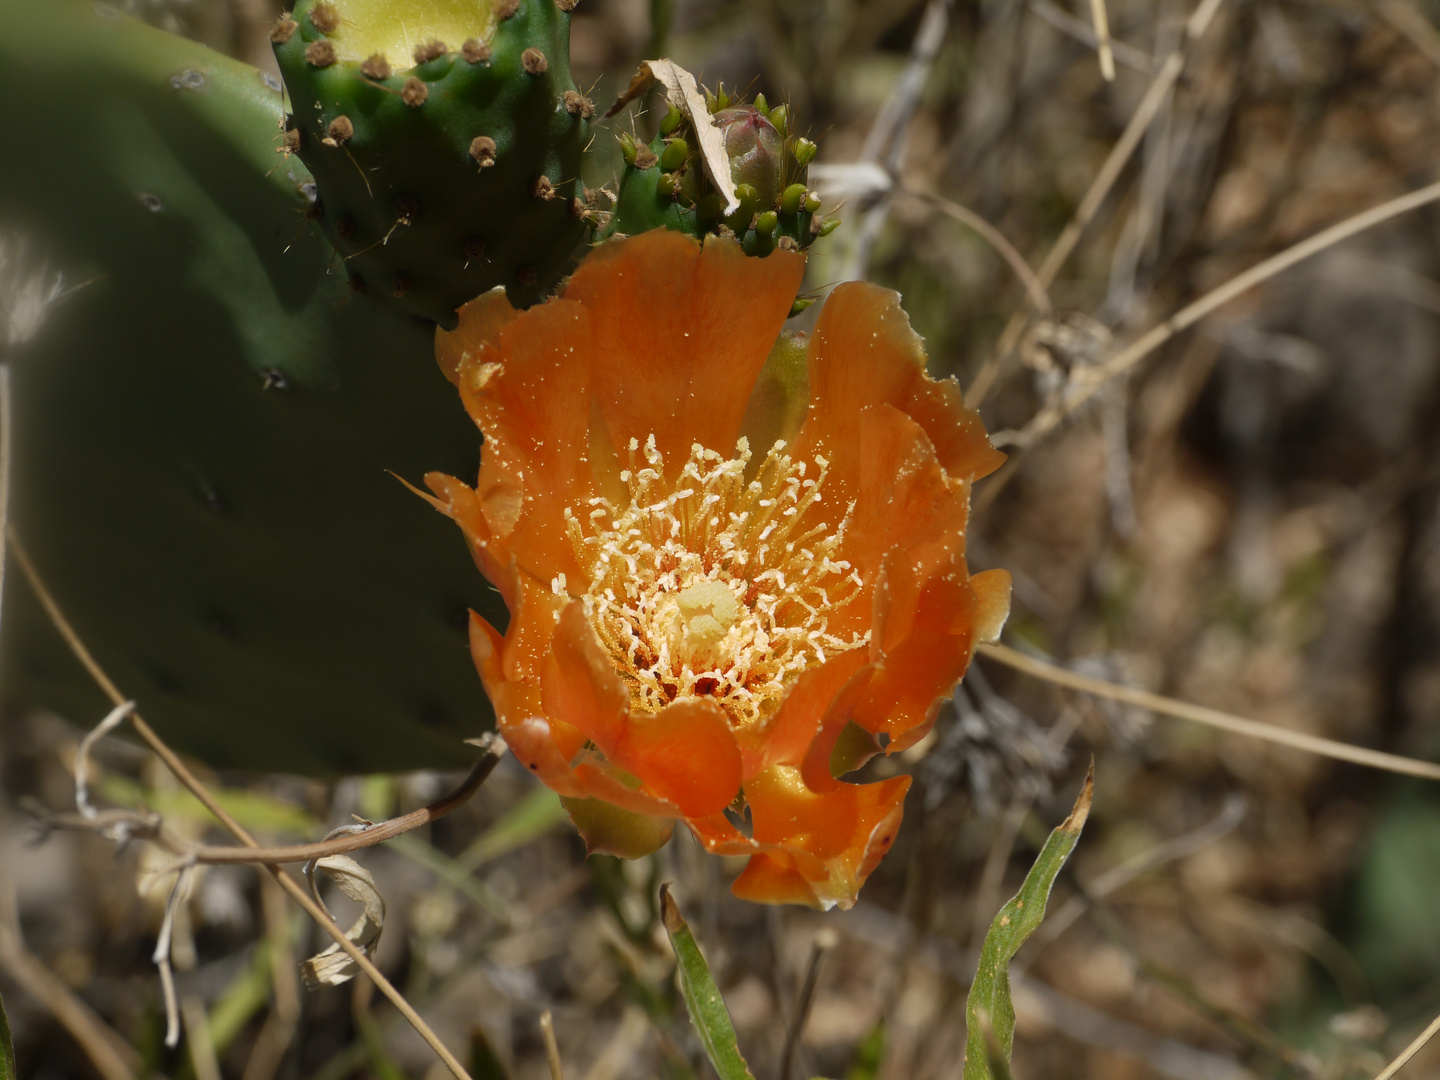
x=1411, y=1050
x=1100, y=188
x=1034, y=287
x=552, y=1048
x=1092, y=379
x=820, y=948
x=1239, y=725
x=199, y=790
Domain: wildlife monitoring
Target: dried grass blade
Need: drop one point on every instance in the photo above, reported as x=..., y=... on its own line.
x=1298, y=740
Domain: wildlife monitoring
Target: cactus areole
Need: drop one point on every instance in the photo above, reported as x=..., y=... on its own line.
x=445, y=140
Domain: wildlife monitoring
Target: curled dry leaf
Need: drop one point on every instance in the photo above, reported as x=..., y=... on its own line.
x=682, y=91
x=331, y=967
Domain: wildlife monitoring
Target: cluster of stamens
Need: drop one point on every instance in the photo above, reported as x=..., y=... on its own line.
x=711, y=584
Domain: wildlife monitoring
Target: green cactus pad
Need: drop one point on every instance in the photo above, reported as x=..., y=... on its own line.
x=205, y=430
x=665, y=186
x=445, y=141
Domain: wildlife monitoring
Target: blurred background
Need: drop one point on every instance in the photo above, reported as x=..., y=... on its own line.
x=1248, y=520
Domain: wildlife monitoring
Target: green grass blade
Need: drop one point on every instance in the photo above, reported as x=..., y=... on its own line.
x=7, y=1048
x=989, y=1004
x=529, y=819
x=702, y=996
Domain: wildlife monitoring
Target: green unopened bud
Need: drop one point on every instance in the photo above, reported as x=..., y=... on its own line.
x=712, y=103
x=627, y=148
x=800, y=305
x=766, y=223
x=756, y=151
x=762, y=105
x=805, y=152
x=666, y=185
x=812, y=202
x=671, y=121
x=829, y=226
x=780, y=116
x=792, y=199
x=676, y=151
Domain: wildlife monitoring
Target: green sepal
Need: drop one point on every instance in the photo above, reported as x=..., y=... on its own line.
x=609, y=830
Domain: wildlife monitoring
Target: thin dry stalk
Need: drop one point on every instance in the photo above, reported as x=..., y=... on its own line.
x=824, y=941
x=1239, y=725
x=1100, y=187
x=552, y=1048
x=197, y=1038
x=1188, y=316
x=279, y=1027
x=1411, y=1050
x=1066, y=23
x=201, y=792
x=1102, y=39
x=112, y=1056
x=1034, y=288
x=1412, y=23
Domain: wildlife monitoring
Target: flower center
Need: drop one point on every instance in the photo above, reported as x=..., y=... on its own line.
x=714, y=585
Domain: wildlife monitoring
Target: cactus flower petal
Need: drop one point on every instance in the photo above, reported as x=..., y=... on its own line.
x=715, y=604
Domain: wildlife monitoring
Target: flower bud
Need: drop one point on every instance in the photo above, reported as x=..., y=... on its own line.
x=756, y=149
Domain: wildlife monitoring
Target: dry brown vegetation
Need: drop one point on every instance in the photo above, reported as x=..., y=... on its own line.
x=1247, y=518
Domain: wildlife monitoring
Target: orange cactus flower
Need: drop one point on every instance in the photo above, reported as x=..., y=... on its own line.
x=722, y=548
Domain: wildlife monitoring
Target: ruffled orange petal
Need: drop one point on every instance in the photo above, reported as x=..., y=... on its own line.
x=903, y=497
x=481, y=321
x=992, y=603
x=534, y=407
x=802, y=714
x=534, y=614
x=532, y=742
x=862, y=353
x=685, y=754
x=845, y=831
x=579, y=684
x=459, y=502
x=772, y=879
x=931, y=630
x=685, y=331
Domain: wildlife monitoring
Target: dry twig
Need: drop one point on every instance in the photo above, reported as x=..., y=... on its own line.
x=1239, y=725
x=1411, y=1050
x=1100, y=187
